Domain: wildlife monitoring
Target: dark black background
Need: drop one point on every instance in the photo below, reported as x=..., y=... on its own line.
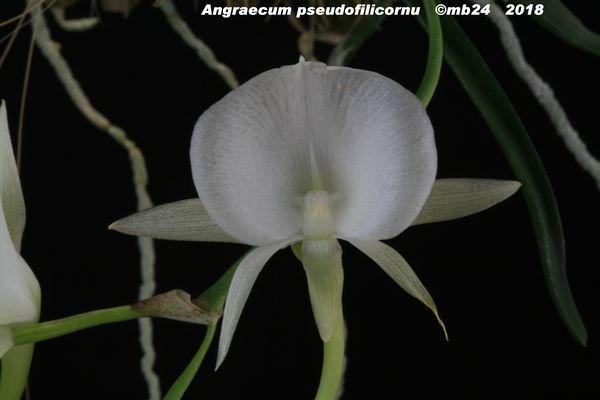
x=506, y=339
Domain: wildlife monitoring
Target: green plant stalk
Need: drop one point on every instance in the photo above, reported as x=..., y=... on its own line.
x=435, y=55
x=184, y=380
x=333, y=364
x=214, y=297
x=48, y=330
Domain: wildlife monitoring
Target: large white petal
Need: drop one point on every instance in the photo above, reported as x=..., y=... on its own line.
x=19, y=289
x=398, y=269
x=359, y=136
x=322, y=261
x=10, y=185
x=241, y=284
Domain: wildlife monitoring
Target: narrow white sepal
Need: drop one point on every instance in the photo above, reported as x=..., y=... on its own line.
x=19, y=289
x=6, y=341
x=180, y=220
x=459, y=197
x=322, y=261
x=241, y=284
x=10, y=184
x=398, y=269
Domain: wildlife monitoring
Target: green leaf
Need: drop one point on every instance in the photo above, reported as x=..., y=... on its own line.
x=435, y=55
x=561, y=22
x=503, y=121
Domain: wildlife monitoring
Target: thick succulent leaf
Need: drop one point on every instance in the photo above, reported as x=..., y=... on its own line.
x=459, y=197
x=243, y=279
x=560, y=21
x=506, y=126
x=10, y=184
x=398, y=269
x=181, y=220
x=357, y=135
x=322, y=261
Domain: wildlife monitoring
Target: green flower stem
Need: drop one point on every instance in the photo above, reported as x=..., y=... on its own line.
x=183, y=381
x=60, y=327
x=213, y=299
x=435, y=55
x=333, y=364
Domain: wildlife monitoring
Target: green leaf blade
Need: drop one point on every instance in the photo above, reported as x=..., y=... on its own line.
x=502, y=119
x=565, y=25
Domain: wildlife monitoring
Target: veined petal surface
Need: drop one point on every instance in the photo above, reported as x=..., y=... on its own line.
x=179, y=220
x=398, y=269
x=239, y=290
x=10, y=184
x=357, y=135
x=19, y=289
x=460, y=197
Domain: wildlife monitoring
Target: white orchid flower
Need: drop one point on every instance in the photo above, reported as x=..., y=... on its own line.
x=312, y=154
x=19, y=289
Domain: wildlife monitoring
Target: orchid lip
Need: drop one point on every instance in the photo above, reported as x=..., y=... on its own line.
x=317, y=221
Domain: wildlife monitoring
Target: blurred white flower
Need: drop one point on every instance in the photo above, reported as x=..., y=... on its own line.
x=19, y=289
x=312, y=154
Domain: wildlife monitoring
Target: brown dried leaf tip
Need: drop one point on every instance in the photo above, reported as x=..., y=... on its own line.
x=177, y=304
